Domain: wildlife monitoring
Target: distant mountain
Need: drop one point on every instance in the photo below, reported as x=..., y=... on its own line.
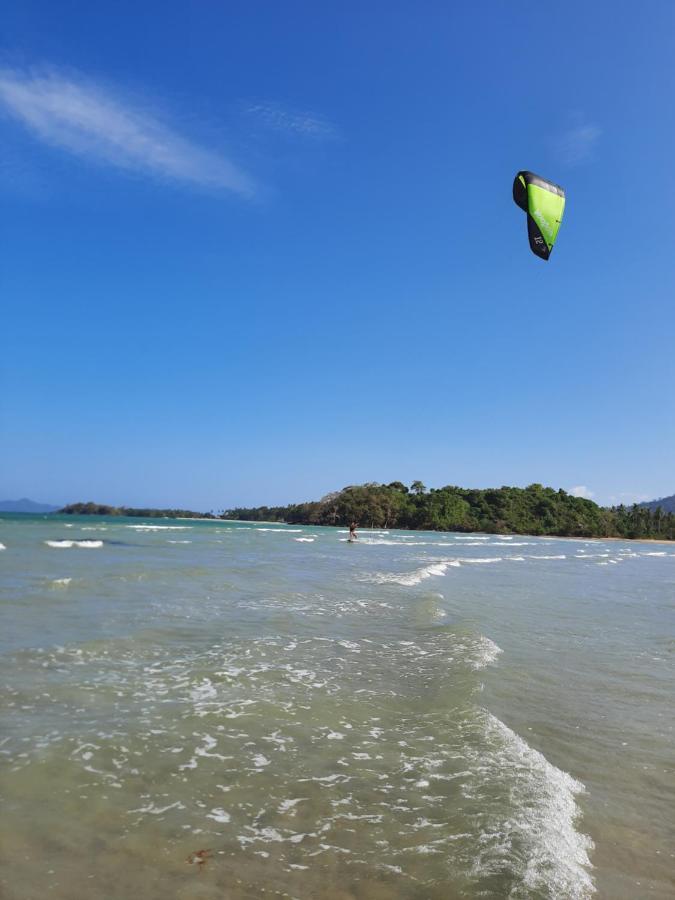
x=667, y=504
x=26, y=506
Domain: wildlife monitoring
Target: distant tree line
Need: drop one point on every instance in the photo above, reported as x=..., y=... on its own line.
x=506, y=510
x=534, y=510
x=99, y=509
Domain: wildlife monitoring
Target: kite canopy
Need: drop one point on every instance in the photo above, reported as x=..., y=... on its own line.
x=544, y=203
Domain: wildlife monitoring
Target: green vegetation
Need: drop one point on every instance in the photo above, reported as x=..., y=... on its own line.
x=98, y=509
x=507, y=510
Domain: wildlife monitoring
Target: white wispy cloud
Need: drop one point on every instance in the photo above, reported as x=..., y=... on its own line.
x=577, y=144
x=76, y=115
x=580, y=490
x=294, y=122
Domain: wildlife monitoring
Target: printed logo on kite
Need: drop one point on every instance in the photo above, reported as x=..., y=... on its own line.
x=544, y=203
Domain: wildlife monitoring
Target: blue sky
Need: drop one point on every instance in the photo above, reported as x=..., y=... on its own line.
x=254, y=252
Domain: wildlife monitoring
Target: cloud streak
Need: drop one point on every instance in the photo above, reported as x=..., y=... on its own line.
x=82, y=118
x=292, y=122
x=577, y=144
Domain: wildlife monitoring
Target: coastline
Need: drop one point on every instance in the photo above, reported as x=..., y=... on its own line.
x=638, y=540
x=558, y=537
x=535, y=510
x=562, y=537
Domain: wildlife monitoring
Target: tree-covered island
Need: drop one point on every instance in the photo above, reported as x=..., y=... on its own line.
x=534, y=510
x=100, y=509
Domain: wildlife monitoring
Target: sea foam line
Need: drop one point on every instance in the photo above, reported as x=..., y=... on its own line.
x=281, y=530
x=438, y=568
x=486, y=653
x=159, y=527
x=556, y=862
x=409, y=579
x=64, y=544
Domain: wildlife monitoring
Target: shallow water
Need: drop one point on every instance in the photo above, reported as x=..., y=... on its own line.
x=415, y=716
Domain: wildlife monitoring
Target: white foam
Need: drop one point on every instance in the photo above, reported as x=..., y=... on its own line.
x=178, y=542
x=203, y=691
x=329, y=779
x=281, y=530
x=402, y=537
x=159, y=527
x=409, y=579
x=486, y=652
x=63, y=544
x=555, y=861
x=515, y=544
x=157, y=810
x=288, y=805
x=478, y=559
x=392, y=543
x=2, y=547
x=561, y=556
x=305, y=540
x=61, y=582
x=219, y=815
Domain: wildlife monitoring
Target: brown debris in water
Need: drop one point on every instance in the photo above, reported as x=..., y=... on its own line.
x=199, y=858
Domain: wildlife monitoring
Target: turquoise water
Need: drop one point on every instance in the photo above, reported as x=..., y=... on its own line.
x=222, y=710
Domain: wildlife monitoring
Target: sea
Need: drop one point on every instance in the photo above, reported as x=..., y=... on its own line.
x=212, y=710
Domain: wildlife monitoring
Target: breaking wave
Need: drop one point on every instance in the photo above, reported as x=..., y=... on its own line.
x=85, y=544
x=486, y=652
x=159, y=527
x=545, y=852
x=409, y=579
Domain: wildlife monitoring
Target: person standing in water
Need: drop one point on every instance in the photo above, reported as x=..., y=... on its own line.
x=352, y=532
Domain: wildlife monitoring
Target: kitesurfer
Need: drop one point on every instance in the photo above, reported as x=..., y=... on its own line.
x=352, y=532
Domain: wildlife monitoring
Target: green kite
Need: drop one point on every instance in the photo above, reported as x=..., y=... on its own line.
x=544, y=203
